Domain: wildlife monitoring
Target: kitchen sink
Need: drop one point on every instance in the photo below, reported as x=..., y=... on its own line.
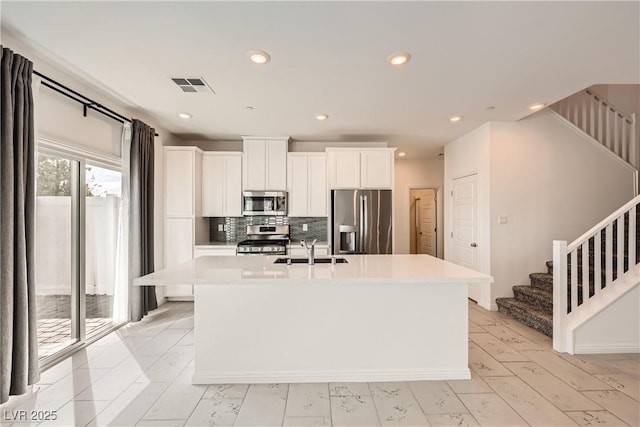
x=306, y=260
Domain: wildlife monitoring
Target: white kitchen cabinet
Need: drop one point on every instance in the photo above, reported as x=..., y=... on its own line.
x=376, y=169
x=179, y=182
x=352, y=168
x=221, y=184
x=178, y=248
x=183, y=223
x=307, y=184
x=344, y=168
x=214, y=250
x=264, y=164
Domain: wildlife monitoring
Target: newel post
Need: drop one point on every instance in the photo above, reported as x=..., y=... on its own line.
x=560, y=296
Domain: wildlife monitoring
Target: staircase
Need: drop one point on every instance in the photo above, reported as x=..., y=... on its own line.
x=532, y=304
x=609, y=242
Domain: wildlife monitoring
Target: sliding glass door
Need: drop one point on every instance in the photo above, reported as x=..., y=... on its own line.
x=57, y=249
x=78, y=207
x=103, y=191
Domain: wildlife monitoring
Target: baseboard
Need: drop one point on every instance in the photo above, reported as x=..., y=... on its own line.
x=161, y=301
x=609, y=348
x=179, y=299
x=266, y=377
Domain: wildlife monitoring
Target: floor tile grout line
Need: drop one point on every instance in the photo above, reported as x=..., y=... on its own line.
x=242, y=403
x=573, y=388
x=507, y=403
x=560, y=379
x=494, y=393
x=330, y=408
x=418, y=402
x=375, y=407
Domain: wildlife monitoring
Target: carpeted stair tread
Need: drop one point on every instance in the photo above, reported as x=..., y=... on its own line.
x=541, y=299
x=526, y=314
x=542, y=280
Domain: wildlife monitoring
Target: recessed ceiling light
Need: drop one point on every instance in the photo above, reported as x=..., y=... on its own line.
x=185, y=115
x=402, y=154
x=537, y=106
x=259, y=57
x=454, y=119
x=399, y=58
x=322, y=116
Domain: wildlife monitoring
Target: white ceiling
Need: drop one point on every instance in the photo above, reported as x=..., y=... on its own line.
x=330, y=57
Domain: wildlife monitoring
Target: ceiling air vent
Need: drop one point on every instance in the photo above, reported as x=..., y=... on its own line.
x=193, y=85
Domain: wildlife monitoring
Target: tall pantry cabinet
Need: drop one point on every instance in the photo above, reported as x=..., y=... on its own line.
x=182, y=211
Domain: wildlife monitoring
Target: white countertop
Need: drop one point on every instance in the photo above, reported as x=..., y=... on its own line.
x=225, y=270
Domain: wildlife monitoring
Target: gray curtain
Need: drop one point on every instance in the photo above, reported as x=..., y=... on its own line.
x=18, y=324
x=143, y=299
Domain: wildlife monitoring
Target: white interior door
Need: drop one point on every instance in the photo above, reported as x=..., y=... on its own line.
x=465, y=227
x=423, y=221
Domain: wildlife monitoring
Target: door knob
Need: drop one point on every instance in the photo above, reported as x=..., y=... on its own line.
x=474, y=245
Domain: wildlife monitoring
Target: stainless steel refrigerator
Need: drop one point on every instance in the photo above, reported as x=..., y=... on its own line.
x=361, y=221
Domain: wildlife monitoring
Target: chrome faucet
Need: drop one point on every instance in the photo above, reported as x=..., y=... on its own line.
x=311, y=250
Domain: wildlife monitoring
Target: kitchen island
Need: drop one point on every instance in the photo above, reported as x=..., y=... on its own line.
x=374, y=318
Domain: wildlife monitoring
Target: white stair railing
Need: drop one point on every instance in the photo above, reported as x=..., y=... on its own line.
x=602, y=122
x=597, y=260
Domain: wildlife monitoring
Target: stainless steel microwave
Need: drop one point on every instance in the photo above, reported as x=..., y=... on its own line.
x=272, y=203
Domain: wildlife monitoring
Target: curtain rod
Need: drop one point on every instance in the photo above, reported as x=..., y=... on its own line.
x=87, y=103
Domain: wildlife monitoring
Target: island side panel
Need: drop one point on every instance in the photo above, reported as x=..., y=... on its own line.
x=330, y=332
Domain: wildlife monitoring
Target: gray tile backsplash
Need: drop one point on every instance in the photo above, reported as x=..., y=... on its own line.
x=236, y=227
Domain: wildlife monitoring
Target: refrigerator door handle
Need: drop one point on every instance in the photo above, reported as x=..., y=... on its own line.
x=365, y=223
x=361, y=227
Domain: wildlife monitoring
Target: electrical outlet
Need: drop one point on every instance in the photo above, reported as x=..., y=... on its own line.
x=503, y=220
x=305, y=227
x=220, y=227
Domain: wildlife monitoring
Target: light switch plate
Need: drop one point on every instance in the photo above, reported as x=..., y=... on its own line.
x=305, y=227
x=502, y=219
x=220, y=227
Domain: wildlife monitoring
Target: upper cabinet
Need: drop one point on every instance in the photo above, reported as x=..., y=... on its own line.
x=307, y=184
x=221, y=184
x=264, y=164
x=180, y=180
x=353, y=168
x=376, y=168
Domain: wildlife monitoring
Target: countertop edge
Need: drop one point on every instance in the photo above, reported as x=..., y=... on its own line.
x=310, y=281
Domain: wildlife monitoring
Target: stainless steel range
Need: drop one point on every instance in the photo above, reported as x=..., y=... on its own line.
x=265, y=240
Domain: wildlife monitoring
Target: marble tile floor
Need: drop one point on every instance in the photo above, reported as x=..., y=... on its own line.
x=140, y=376
x=54, y=334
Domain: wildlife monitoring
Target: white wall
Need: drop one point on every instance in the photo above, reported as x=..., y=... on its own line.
x=410, y=174
x=547, y=179
x=616, y=329
x=552, y=184
x=470, y=154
